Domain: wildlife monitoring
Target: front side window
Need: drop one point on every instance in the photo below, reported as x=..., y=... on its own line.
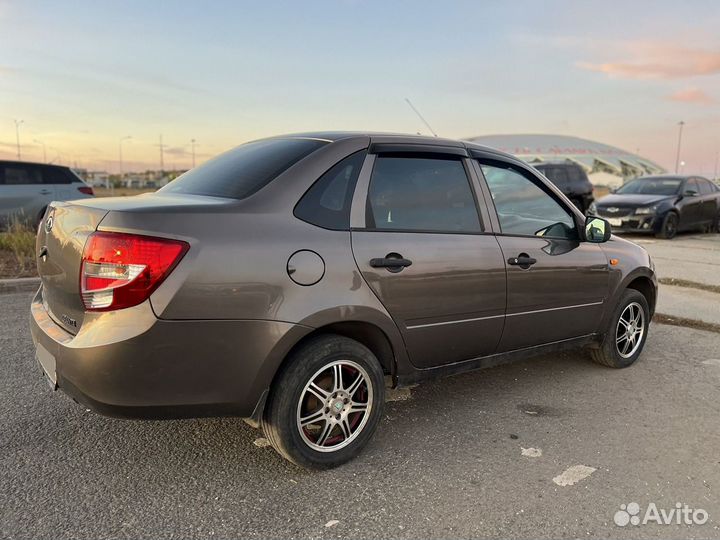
x=421, y=194
x=706, y=188
x=523, y=208
x=240, y=172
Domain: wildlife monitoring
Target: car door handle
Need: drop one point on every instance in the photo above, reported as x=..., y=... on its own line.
x=523, y=261
x=45, y=192
x=391, y=263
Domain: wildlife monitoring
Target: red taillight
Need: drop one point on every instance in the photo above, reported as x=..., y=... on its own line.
x=122, y=270
x=87, y=190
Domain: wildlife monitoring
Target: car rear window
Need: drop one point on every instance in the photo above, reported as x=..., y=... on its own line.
x=244, y=170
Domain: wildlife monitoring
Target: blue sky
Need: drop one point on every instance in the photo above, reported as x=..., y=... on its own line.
x=84, y=74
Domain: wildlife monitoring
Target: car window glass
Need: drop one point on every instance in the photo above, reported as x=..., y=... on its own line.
x=559, y=176
x=16, y=175
x=706, y=187
x=524, y=208
x=327, y=203
x=421, y=194
x=240, y=172
x=692, y=185
x=55, y=175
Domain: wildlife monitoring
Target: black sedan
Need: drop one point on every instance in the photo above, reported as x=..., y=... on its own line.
x=663, y=205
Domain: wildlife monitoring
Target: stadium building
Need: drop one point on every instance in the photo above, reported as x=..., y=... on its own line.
x=605, y=165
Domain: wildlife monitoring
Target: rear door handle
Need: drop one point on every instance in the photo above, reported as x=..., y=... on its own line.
x=523, y=260
x=392, y=263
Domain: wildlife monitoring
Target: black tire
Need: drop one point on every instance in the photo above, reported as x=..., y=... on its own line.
x=284, y=406
x=715, y=227
x=669, y=227
x=609, y=353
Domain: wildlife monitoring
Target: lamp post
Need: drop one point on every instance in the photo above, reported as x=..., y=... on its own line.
x=17, y=135
x=192, y=146
x=677, y=158
x=44, y=149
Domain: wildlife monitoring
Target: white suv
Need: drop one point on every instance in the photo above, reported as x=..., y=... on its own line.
x=27, y=188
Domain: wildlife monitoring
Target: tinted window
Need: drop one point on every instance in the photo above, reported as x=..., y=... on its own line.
x=56, y=175
x=421, y=194
x=652, y=186
x=15, y=175
x=558, y=176
x=524, y=208
x=242, y=171
x=706, y=188
x=327, y=203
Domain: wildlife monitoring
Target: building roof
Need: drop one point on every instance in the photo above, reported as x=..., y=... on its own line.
x=590, y=155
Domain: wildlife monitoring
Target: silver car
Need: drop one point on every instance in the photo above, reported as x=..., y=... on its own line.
x=26, y=189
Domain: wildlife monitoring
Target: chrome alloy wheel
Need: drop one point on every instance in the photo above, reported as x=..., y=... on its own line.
x=630, y=330
x=334, y=406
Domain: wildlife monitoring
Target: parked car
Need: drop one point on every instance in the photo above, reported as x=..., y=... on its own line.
x=663, y=205
x=572, y=180
x=26, y=189
x=282, y=280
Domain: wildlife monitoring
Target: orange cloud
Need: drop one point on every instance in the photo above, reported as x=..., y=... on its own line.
x=660, y=61
x=692, y=95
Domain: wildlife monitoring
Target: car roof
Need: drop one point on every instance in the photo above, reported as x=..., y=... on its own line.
x=20, y=162
x=400, y=138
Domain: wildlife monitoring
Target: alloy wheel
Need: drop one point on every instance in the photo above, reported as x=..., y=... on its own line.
x=334, y=406
x=630, y=330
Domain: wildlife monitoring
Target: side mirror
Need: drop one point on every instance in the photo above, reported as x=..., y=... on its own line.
x=690, y=193
x=597, y=230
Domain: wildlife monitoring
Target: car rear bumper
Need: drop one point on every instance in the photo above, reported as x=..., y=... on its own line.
x=129, y=363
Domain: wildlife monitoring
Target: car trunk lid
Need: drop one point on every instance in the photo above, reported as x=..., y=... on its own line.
x=59, y=247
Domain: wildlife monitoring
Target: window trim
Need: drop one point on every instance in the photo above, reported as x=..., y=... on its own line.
x=549, y=190
x=361, y=198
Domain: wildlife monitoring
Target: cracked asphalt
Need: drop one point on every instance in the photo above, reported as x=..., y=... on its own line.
x=450, y=459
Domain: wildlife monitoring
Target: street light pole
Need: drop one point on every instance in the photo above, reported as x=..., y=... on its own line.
x=192, y=145
x=17, y=135
x=44, y=149
x=677, y=158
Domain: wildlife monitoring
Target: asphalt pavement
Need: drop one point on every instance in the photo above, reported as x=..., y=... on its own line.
x=486, y=454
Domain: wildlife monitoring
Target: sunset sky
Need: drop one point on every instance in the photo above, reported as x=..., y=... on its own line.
x=82, y=75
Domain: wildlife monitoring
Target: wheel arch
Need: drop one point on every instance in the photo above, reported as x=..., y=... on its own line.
x=386, y=345
x=646, y=287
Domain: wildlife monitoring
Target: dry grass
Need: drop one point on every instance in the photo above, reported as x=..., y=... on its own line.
x=17, y=251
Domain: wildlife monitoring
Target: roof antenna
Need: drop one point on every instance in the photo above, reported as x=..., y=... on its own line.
x=420, y=116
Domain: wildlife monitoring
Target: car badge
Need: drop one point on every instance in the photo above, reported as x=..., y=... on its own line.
x=49, y=221
x=612, y=209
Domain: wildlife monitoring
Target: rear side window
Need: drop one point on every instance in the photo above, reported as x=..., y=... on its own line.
x=56, y=175
x=18, y=175
x=421, y=194
x=327, y=203
x=244, y=170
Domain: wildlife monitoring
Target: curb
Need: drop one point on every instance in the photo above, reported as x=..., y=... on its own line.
x=30, y=284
